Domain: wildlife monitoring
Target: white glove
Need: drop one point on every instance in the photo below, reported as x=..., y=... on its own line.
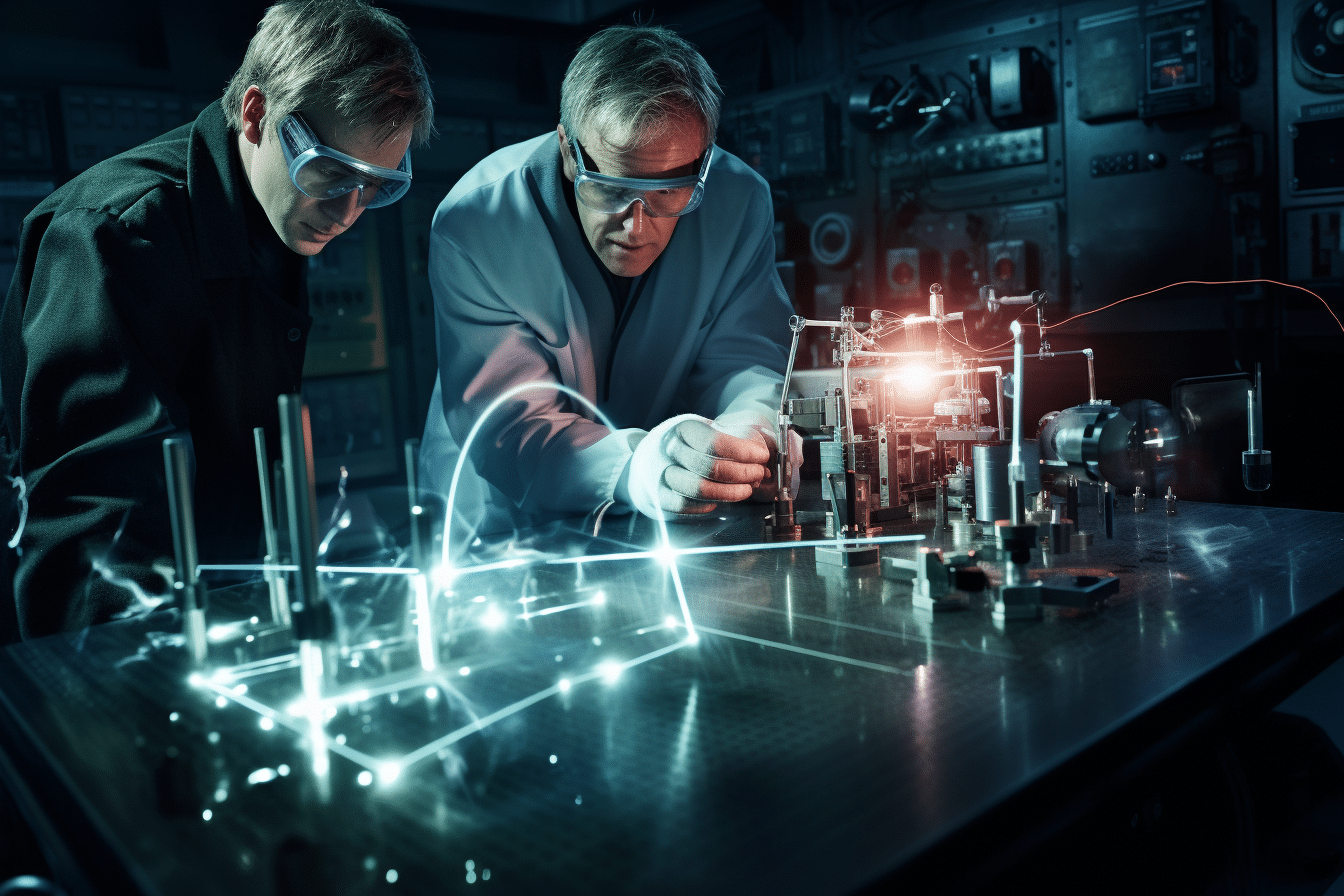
x=751, y=425
x=686, y=466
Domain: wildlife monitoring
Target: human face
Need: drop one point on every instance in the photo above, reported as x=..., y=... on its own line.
x=630, y=241
x=303, y=223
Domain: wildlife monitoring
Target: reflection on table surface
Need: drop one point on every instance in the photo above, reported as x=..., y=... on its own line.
x=622, y=714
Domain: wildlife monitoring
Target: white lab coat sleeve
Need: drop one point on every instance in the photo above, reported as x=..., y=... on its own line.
x=740, y=367
x=532, y=448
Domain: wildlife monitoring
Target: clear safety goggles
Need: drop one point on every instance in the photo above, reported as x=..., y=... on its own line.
x=324, y=173
x=662, y=197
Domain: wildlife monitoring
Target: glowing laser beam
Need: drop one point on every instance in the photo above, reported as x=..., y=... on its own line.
x=794, y=648
x=476, y=428
x=560, y=687
x=595, y=601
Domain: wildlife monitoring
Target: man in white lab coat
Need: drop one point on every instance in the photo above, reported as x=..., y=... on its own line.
x=626, y=258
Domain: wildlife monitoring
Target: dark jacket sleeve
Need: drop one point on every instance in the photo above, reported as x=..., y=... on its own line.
x=103, y=334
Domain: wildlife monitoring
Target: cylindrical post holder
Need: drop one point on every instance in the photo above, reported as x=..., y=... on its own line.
x=1256, y=464
x=310, y=612
x=275, y=582
x=177, y=465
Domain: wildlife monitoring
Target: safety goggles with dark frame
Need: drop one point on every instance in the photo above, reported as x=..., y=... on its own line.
x=662, y=197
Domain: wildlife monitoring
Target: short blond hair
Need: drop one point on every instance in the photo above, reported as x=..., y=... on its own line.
x=341, y=54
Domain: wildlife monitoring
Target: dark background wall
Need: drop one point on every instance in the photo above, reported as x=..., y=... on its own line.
x=1104, y=150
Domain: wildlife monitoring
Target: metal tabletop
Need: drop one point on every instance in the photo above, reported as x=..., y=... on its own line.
x=709, y=717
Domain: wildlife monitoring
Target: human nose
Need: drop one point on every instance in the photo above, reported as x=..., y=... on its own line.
x=344, y=209
x=635, y=221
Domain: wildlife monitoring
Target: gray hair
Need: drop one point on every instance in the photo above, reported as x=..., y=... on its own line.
x=342, y=54
x=628, y=82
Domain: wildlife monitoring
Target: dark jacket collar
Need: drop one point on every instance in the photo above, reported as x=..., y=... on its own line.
x=217, y=188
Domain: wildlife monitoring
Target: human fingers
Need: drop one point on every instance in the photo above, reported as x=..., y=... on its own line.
x=691, y=486
x=715, y=455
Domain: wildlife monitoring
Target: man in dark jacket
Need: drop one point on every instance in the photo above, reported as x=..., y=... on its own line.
x=162, y=293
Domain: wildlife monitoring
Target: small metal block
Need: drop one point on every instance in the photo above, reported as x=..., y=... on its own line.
x=1018, y=602
x=969, y=578
x=847, y=556
x=1078, y=591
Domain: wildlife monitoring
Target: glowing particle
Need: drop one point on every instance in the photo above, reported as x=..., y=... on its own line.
x=207, y=815
x=282, y=769
x=255, y=620
x=221, y=795
x=251, y=638
x=389, y=772
x=471, y=865
x=600, y=598
x=340, y=739
x=564, y=685
x=493, y=618
x=670, y=622
x=559, y=658
x=431, y=693
x=693, y=638
x=262, y=776
x=213, y=737
x=478, y=599
x=370, y=863
x=610, y=671
x=173, y=717
x=485, y=874
x=597, y=642
x=554, y=759
x=365, y=778
x=394, y=698
x=471, y=877
x=914, y=377
x=266, y=723
x=221, y=701
x=464, y=671
x=578, y=800
x=240, y=689
x=391, y=875
x=195, y=679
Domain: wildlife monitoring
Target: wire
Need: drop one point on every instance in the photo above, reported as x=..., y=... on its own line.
x=966, y=342
x=1200, y=283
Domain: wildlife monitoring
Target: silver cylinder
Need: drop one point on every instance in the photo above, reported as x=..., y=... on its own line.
x=992, y=495
x=311, y=616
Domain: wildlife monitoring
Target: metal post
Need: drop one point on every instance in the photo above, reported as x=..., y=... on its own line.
x=311, y=613
x=177, y=466
x=275, y=582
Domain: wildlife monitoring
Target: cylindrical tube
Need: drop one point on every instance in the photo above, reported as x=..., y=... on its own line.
x=312, y=616
x=1252, y=424
x=263, y=476
x=992, y=489
x=177, y=465
x=419, y=549
x=274, y=581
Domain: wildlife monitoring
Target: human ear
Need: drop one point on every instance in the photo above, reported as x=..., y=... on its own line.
x=253, y=112
x=566, y=155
